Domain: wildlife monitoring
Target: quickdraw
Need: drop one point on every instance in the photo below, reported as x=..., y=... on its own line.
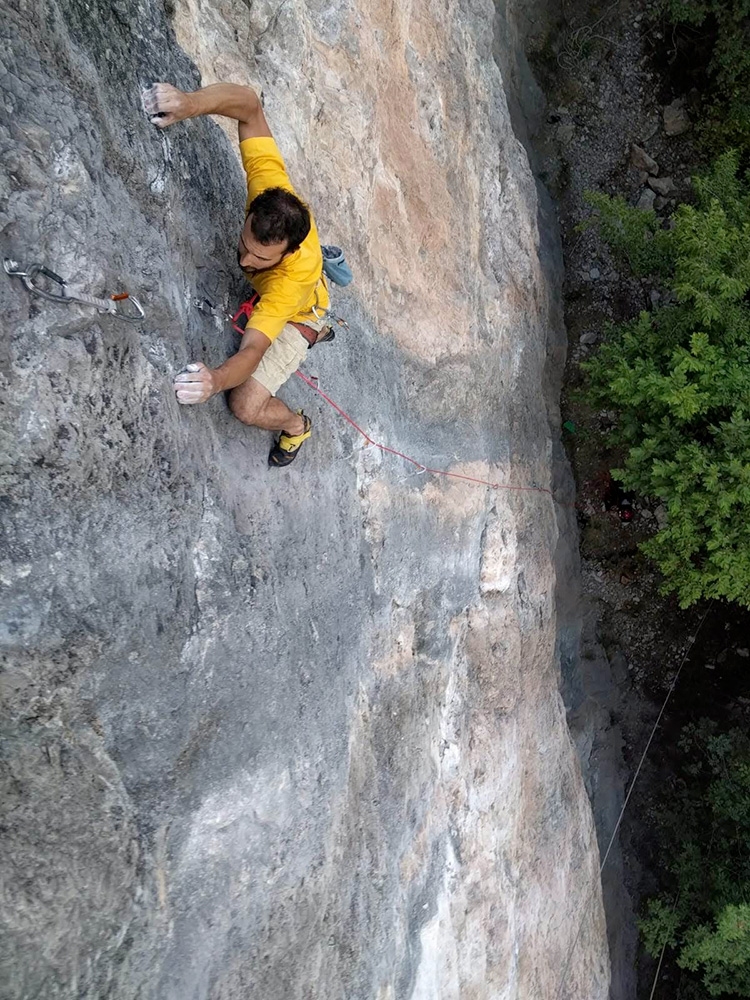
x=112, y=306
x=239, y=320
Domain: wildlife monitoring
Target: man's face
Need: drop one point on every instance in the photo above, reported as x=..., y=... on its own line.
x=255, y=256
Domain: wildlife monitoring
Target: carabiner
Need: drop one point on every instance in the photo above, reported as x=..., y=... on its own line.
x=109, y=306
x=135, y=317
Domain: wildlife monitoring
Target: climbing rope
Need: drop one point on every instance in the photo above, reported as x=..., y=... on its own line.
x=566, y=967
x=407, y=458
x=113, y=305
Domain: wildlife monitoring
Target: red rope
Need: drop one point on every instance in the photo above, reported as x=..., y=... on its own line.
x=408, y=458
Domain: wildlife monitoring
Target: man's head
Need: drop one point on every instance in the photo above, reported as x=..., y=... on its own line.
x=277, y=222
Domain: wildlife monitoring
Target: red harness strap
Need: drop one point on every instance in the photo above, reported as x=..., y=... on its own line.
x=310, y=335
x=245, y=311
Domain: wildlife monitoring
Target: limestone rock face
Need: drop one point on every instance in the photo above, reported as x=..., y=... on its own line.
x=284, y=734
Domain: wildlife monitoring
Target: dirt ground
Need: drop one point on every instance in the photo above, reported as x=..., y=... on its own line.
x=608, y=72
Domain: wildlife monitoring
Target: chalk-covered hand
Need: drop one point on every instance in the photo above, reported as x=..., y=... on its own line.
x=165, y=104
x=195, y=384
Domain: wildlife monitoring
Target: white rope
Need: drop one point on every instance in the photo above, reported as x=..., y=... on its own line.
x=653, y=733
x=627, y=799
x=658, y=970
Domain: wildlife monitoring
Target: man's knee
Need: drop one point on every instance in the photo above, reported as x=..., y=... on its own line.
x=244, y=406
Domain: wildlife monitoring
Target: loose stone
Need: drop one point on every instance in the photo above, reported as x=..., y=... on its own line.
x=662, y=185
x=640, y=159
x=676, y=119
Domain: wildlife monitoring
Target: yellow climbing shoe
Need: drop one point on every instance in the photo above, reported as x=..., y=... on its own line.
x=285, y=450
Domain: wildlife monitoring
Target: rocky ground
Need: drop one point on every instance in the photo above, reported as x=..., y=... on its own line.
x=624, y=118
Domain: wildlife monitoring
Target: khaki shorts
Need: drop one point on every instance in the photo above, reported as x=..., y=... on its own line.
x=284, y=356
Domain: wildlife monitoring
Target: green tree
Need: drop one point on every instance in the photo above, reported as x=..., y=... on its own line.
x=679, y=378
x=705, y=829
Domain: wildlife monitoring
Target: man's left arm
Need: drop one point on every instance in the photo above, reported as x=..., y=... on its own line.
x=166, y=105
x=198, y=383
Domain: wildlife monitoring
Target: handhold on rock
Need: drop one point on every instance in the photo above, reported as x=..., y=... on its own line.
x=646, y=200
x=640, y=159
x=662, y=185
x=676, y=119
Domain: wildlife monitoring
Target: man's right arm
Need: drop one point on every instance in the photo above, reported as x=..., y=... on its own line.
x=197, y=383
x=166, y=105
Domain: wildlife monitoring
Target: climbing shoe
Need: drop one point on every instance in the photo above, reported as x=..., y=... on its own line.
x=285, y=450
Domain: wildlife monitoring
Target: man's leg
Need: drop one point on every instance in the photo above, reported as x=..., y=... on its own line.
x=253, y=404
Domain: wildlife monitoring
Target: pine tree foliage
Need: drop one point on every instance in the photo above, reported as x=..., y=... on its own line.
x=705, y=827
x=679, y=378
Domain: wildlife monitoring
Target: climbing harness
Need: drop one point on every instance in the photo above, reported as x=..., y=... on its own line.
x=113, y=306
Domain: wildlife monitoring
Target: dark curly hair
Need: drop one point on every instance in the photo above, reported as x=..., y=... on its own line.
x=279, y=215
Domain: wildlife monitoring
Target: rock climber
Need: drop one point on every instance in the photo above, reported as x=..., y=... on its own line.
x=280, y=253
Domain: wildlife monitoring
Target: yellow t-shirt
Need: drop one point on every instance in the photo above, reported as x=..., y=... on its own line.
x=291, y=289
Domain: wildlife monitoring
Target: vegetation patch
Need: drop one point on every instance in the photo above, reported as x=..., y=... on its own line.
x=679, y=379
x=704, y=913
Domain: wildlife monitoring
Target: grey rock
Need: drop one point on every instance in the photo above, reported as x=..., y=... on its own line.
x=662, y=185
x=589, y=338
x=655, y=297
x=594, y=273
x=267, y=733
x=662, y=518
x=675, y=117
x=646, y=200
x=640, y=160
x=660, y=203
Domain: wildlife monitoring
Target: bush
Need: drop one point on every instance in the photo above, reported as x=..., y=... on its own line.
x=705, y=829
x=679, y=378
